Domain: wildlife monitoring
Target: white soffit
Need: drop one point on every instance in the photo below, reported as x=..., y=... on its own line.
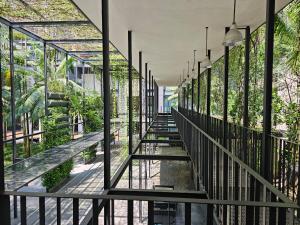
x=167, y=31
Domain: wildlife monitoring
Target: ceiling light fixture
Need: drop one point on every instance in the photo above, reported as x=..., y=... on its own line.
x=206, y=63
x=233, y=37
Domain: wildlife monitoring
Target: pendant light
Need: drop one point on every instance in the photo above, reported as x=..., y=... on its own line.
x=206, y=63
x=233, y=37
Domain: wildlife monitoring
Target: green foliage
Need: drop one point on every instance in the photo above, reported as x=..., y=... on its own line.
x=54, y=177
x=217, y=90
x=92, y=113
x=55, y=133
x=89, y=153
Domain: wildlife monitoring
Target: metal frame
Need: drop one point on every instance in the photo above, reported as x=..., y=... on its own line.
x=268, y=80
x=106, y=90
x=130, y=125
x=111, y=194
x=141, y=93
x=146, y=96
x=198, y=89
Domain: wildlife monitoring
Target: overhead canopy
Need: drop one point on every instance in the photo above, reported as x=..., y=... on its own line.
x=61, y=24
x=168, y=31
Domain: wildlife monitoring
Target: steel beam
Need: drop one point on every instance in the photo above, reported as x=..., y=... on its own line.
x=106, y=88
x=149, y=97
x=158, y=193
x=130, y=92
x=193, y=84
x=208, y=97
x=198, y=92
x=246, y=93
x=4, y=200
x=91, y=52
x=146, y=96
x=225, y=128
x=187, y=96
x=268, y=80
x=152, y=98
x=12, y=92
x=72, y=41
x=46, y=79
x=141, y=94
x=50, y=23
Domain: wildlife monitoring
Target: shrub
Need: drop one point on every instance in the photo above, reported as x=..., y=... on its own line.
x=54, y=177
x=56, y=134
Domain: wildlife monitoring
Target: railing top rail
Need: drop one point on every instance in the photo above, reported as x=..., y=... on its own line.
x=141, y=195
x=249, y=129
x=258, y=177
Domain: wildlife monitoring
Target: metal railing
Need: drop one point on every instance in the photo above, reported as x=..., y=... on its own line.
x=225, y=176
x=233, y=193
x=246, y=144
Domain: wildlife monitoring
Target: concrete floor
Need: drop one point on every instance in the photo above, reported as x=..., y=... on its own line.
x=146, y=174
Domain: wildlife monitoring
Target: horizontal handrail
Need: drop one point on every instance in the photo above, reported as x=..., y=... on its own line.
x=257, y=176
x=135, y=195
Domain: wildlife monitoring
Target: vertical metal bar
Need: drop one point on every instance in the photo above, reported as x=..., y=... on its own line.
x=225, y=128
x=23, y=210
x=130, y=202
x=187, y=96
x=4, y=200
x=58, y=211
x=193, y=84
x=210, y=215
x=282, y=215
x=12, y=93
x=130, y=91
x=187, y=214
x=246, y=94
x=198, y=92
x=149, y=98
x=67, y=72
x=268, y=79
x=112, y=202
x=146, y=96
x=106, y=90
x=184, y=100
x=208, y=97
x=152, y=98
x=95, y=220
x=130, y=212
x=106, y=87
x=42, y=210
x=46, y=79
x=141, y=94
x=150, y=213
x=75, y=211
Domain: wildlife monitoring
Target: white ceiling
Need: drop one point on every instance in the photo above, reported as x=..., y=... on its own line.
x=167, y=31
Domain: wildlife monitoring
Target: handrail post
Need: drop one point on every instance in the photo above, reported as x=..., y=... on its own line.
x=208, y=97
x=198, y=92
x=141, y=94
x=193, y=84
x=106, y=89
x=146, y=96
x=225, y=128
x=130, y=92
